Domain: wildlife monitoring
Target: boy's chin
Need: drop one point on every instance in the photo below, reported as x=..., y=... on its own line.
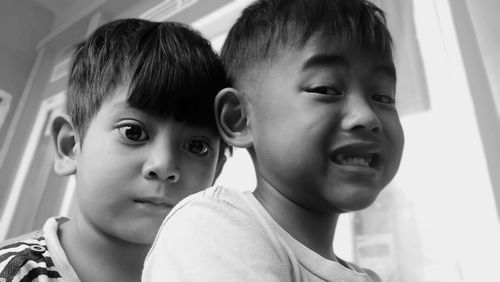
x=355, y=206
x=139, y=239
x=139, y=234
x=357, y=199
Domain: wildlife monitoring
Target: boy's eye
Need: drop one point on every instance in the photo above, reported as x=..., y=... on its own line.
x=133, y=133
x=325, y=90
x=196, y=147
x=386, y=99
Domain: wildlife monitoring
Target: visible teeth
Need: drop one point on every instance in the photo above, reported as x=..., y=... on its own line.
x=355, y=160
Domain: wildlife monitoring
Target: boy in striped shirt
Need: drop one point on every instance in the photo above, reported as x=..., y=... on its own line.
x=140, y=135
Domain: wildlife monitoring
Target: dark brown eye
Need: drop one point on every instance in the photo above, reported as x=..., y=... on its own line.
x=199, y=148
x=133, y=133
x=383, y=99
x=326, y=90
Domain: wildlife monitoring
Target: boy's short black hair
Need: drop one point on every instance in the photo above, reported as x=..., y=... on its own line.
x=171, y=70
x=267, y=26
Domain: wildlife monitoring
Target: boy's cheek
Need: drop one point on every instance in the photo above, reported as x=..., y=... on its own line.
x=201, y=175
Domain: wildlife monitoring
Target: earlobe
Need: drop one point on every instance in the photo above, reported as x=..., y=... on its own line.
x=232, y=118
x=66, y=144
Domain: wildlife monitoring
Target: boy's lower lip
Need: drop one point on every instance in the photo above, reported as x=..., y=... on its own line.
x=356, y=170
x=154, y=205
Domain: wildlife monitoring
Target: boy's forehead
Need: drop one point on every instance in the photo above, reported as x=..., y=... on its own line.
x=118, y=104
x=117, y=96
x=319, y=50
x=324, y=43
x=323, y=51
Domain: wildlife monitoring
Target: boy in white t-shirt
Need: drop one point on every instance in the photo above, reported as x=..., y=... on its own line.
x=313, y=101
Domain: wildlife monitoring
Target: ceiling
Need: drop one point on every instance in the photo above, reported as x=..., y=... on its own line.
x=22, y=25
x=59, y=6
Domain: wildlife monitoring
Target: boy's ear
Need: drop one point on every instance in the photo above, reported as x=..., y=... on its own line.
x=232, y=118
x=66, y=143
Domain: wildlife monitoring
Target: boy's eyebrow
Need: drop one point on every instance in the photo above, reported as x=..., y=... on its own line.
x=388, y=70
x=123, y=106
x=324, y=60
x=320, y=60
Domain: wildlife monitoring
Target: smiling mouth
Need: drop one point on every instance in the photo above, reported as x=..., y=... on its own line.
x=368, y=160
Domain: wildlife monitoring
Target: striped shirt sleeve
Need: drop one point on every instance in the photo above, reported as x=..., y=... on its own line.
x=26, y=258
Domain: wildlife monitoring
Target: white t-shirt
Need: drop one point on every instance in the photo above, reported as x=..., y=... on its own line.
x=222, y=234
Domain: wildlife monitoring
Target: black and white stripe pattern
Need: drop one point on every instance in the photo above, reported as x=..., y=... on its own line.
x=27, y=259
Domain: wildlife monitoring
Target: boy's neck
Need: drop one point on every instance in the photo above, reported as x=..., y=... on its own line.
x=99, y=257
x=313, y=229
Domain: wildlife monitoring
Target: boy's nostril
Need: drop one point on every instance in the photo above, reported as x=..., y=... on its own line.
x=174, y=177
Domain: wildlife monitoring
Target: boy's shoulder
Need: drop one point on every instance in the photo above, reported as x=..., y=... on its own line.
x=230, y=224
x=26, y=257
x=218, y=195
x=220, y=203
x=217, y=222
x=31, y=237
x=370, y=273
x=243, y=210
x=22, y=256
x=213, y=204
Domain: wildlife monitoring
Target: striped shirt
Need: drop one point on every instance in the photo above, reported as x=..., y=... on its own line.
x=36, y=256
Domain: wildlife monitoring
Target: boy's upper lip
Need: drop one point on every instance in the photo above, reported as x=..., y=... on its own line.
x=360, y=147
x=155, y=200
x=357, y=146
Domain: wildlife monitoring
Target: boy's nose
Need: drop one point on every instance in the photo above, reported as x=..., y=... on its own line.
x=162, y=167
x=359, y=115
x=172, y=176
